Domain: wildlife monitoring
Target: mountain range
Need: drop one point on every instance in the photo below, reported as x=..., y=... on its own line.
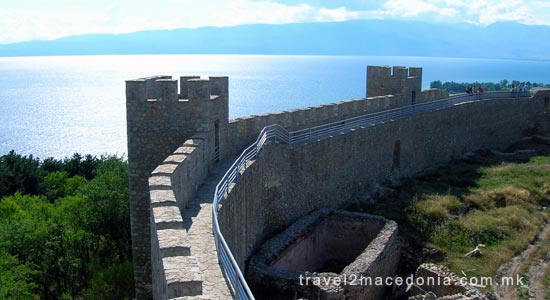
x=363, y=37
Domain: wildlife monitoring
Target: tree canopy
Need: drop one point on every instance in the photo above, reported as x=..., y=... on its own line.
x=503, y=85
x=64, y=228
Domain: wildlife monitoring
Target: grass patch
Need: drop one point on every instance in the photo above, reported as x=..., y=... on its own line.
x=484, y=200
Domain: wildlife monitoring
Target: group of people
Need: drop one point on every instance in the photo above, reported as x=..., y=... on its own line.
x=520, y=88
x=470, y=90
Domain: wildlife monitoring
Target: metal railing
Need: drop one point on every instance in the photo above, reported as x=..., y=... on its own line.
x=241, y=291
x=227, y=261
x=312, y=134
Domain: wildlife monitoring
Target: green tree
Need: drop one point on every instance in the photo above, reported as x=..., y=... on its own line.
x=105, y=209
x=15, y=279
x=504, y=83
x=81, y=166
x=58, y=184
x=20, y=173
x=436, y=84
x=73, y=240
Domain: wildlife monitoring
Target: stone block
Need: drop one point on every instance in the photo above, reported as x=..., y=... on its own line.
x=162, y=198
x=165, y=169
x=167, y=217
x=175, y=159
x=185, y=149
x=193, y=142
x=173, y=242
x=183, y=276
x=160, y=182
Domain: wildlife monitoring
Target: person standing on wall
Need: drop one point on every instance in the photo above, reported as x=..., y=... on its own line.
x=480, y=92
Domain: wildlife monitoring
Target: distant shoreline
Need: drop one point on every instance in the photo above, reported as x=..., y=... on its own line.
x=276, y=55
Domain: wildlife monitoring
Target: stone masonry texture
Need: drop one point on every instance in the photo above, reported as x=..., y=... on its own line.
x=180, y=137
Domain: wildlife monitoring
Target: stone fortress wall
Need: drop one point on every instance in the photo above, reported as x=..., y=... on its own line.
x=158, y=120
x=175, y=139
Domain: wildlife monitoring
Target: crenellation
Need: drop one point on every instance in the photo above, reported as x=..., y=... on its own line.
x=344, y=109
x=260, y=122
x=162, y=197
x=274, y=119
x=193, y=142
x=161, y=182
x=183, y=276
x=415, y=72
x=175, y=159
x=167, y=217
x=357, y=107
x=165, y=90
x=219, y=85
x=150, y=85
x=185, y=149
x=400, y=72
x=164, y=169
x=374, y=104
x=136, y=90
x=184, y=87
x=322, y=112
x=173, y=242
x=293, y=120
x=383, y=72
x=310, y=116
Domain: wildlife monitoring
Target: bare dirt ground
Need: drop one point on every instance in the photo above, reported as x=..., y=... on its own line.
x=536, y=276
x=536, y=269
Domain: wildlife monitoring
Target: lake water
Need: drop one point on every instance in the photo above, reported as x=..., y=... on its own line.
x=55, y=106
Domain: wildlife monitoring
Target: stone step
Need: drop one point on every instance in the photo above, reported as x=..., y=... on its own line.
x=183, y=276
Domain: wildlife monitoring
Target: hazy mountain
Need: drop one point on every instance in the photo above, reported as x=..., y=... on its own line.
x=365, y=37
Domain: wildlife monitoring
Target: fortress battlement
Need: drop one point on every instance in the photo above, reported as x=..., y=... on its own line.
x=396, y=72
x=186, y=89
x=383, y=80
x=179, y=134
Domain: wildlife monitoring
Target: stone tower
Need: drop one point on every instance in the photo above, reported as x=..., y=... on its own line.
x=406, y=82
x=159, y=120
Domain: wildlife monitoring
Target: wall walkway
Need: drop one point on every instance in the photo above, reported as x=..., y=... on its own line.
x=197, y=220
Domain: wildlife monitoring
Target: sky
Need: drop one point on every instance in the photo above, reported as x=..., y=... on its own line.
x=45, y=20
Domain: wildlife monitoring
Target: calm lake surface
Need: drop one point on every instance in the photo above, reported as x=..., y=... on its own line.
x=55, y=106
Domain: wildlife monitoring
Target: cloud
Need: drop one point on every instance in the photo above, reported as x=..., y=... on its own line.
x=356, y=5
x=32, y=19
x=481, y=12
x=486, y=12
x=246, y=12
x=54, y=21
x=408, y=8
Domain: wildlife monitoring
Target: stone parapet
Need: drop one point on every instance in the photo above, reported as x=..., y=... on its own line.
x=172, y=184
